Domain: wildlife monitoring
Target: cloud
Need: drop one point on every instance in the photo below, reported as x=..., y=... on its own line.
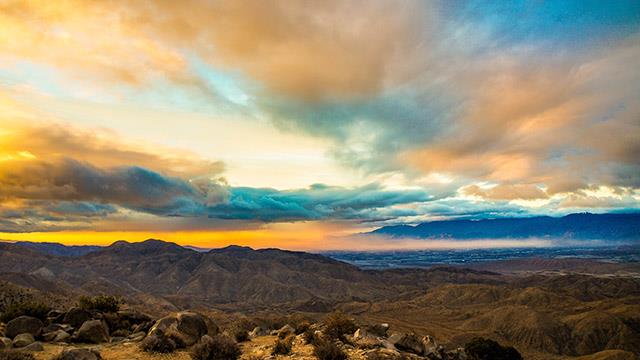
x=54, y=178
x=314, y=203
x=506, y=192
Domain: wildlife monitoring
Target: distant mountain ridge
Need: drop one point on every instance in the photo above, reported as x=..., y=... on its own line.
x=584, y=226
x=58, y=249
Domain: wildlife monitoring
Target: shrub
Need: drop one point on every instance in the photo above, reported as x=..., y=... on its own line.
x=15, y=355
x=241, y=335
x=102, y=303
x=338, y=324
x=158, y=343
x=283, y=346
x=309, y=336
x=327, y=350
x=301, y=327
x=487, y=349
x=219, y=347
x=35, y=309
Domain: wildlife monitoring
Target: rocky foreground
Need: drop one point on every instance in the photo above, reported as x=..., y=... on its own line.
x=87, y=334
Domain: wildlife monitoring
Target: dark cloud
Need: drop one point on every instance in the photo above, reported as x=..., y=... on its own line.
x=316, y=202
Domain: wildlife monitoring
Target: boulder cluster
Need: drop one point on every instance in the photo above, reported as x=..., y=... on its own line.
x=76, y=325
x=378, y=342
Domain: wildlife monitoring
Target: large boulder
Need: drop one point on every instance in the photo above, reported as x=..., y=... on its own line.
x=408, y=342
x=23, y=324
x=285, y=331
x=34, y=346
x=79, y=354
x=379, y=330
x=93, y=331
x=61, y=336
x=187, y=327
x=5, y=343
x=76, y=317
x=22, y=340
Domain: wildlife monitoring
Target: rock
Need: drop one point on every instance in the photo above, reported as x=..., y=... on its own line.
x=378, y=329
x=189, y=327
x=53, y=327
x=117, y=339
x=385, y=354
x=23, y=340
x=5, y=343
x=34, y=346
x=79, y=354
x=135, y=337
x=430, y=346
x=23, y=324
x=285, y=331
x=408, y=342
x=257, y=331
x=54, y=313
x=363, y=340
x=457, y=354
x=49, y=336
x=120, y=333
x=144, y=327
x=61, y=336
x=76, y=317
x=134, y=317
x=93, y=331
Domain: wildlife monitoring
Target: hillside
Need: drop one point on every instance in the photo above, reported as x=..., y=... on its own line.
x=564, y=314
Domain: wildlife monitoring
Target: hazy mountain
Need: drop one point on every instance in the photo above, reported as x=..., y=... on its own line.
x=611, y=227
x=58, y=249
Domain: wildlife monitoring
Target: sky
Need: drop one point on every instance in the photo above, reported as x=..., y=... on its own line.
x=297, y=124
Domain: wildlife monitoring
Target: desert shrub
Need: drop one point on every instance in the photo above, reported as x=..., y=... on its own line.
x=102, y=303
x=327, y=350
x=219, y=347
x=35, y=309
x=15, y=355
x=338, y=324
x=301, y=327
x=241, y=335
x=487, y=349
x=309, y=336
x=377, y=355
x=158, y=343
x=283, y=346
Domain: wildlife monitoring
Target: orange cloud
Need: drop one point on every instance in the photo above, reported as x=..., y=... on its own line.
x=506, y=192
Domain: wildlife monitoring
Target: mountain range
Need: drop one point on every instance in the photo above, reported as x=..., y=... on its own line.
x=585, y=226
x=546, y=315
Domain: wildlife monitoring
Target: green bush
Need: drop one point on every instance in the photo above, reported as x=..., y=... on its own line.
x=37, y=310
x=487, y=349
x=102, y=303
x=327, y=350
x=219, y=347
x=338, y=324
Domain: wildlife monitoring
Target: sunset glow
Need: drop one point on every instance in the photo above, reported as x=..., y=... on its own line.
x=301, y=124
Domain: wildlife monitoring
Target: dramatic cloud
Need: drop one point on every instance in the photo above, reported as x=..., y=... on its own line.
x=450, y=109
x=317, y=202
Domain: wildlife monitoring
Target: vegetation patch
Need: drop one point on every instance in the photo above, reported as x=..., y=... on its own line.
x=219, y=347
x=101, y=303
x=34, y=309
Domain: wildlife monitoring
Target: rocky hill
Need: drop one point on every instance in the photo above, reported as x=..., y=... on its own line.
x=543, y=315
